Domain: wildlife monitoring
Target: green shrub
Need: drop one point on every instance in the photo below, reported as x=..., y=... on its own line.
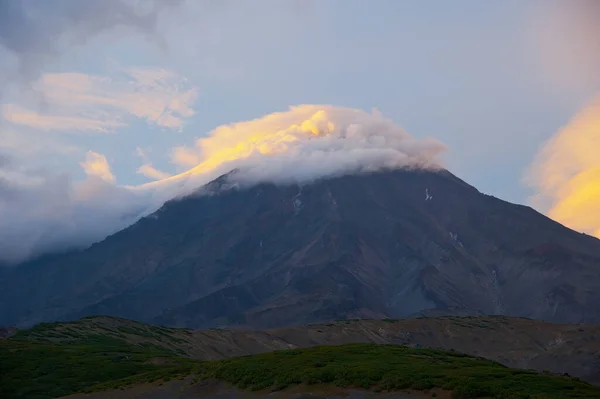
x=37, y=370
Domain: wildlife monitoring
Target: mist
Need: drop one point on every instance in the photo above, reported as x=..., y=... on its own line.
x=42, y=212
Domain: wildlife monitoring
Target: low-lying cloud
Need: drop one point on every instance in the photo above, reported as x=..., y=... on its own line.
x=44, y=212
x=41, y=212
x=566, y=173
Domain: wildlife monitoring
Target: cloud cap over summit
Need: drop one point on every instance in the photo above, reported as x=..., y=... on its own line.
x=305, y=143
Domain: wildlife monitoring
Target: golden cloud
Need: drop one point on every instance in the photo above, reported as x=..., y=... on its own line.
x=566, y=173
x=96, y=165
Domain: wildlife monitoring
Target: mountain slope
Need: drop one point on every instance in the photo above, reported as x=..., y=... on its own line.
x=387, y=244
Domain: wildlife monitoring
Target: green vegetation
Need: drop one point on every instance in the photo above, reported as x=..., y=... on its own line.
x=39, y=370
x=390, y=367
x=57, y=359
x=53, y=360
x=93, y=328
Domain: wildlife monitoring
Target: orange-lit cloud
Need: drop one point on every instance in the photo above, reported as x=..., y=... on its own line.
x=80, y=102
x=273, y=134
x=304, y=143
x=96, y=165
x=566, y=173
x=185, y=157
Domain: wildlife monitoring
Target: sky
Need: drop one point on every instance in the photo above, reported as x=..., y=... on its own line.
x=107, y=109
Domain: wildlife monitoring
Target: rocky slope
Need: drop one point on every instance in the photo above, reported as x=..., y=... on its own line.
x=387, y=244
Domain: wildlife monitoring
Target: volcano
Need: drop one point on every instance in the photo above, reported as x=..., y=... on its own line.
x=392, y=243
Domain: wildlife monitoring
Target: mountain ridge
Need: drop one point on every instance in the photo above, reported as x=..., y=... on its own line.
x=382, y=244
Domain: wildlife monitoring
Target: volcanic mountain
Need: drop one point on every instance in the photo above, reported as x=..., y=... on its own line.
x=385, y=244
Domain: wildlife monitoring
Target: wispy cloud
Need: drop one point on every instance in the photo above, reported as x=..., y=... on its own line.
x=151, y=172
x=100, y=122
x=147, y=169
x=81, y=102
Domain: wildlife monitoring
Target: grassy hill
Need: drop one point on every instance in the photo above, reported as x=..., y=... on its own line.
x=97, y=354
x=514, y=342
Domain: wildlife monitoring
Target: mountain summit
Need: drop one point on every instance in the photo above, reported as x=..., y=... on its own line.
x=384, y=244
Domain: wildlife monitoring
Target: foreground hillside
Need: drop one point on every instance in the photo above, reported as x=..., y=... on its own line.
x=514, y=342
x=34, y=370
x=102, y=353
x=386, y=244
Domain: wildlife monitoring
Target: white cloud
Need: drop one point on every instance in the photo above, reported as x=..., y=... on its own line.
x=40, y=211
x=80, y=102
x=43, y=211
